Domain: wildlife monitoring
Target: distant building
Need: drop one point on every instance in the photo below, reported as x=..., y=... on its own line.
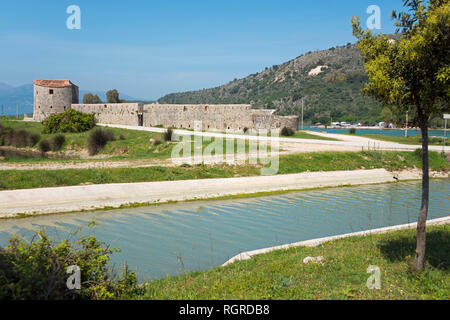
x=53, y=96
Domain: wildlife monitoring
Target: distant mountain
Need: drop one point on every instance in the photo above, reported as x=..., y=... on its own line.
x=329, y=80
x=22, y=96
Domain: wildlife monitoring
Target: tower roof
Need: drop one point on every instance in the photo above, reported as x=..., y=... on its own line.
x=53, y=83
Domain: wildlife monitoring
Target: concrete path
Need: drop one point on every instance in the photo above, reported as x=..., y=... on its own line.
x=90, y=197
x=354, y=142
x=315, y=242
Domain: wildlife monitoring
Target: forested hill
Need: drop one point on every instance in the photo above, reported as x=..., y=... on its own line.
x=334, y=93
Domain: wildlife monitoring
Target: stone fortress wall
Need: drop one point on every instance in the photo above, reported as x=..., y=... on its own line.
x=213, y=117
x=112, y=113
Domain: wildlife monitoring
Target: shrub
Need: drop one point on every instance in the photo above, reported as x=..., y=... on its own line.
x=352, y=131
x=287, y=132
x=168, y=135
x=1, y=129
x=122, y=137
x=157, y=141
x=20, y=138
x=37, y=270
x=57, y=142
x=44, y=146
x=68, y=121
x=418, y=152
x=98, y=139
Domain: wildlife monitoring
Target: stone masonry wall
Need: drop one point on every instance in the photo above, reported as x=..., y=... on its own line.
x=112, y=113
x=233, y=118
x=213, y=117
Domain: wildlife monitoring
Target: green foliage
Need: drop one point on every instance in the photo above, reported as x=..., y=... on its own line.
x=287, y=132
x=98, y=139
x=386, y=115
x=37, y=270
x=112, y=96
x=89, y=98
x=168, y=135
x=68, y=121
x=57, y=142
x=352, y=131
x=411, y=72
x=19, y=138
x=44, y=146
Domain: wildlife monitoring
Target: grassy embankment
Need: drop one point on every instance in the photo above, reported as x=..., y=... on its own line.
x=325, y=161
x=128, y=145
x=282, y=275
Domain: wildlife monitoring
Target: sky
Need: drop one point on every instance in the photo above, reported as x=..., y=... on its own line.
x=147, y=48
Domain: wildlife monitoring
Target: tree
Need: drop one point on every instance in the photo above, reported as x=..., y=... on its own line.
x=412, y=72
x=386, y=115
x=112, y=96
x=89, y=98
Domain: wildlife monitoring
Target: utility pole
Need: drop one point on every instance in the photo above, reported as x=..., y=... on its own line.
x=302, y=111
x=406, y=127
x=17, y=111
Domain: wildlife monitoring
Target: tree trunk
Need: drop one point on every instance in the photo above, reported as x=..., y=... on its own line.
x=422, y=222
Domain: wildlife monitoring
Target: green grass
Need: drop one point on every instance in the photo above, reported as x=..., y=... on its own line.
x=412, y=140
x=135, y=145
x=305, y=135
x=326, y=161
x=281, y=275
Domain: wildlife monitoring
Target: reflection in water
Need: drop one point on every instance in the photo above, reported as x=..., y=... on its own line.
x=169, y=239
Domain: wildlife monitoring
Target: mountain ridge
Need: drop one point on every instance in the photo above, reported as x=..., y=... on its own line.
x=331, y=93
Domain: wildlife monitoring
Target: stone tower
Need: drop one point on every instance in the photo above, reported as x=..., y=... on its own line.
x=53, y=96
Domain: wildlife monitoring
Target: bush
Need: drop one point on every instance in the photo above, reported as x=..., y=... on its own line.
x=168, y=135
x=287, y=132
x=20, y=138
x=98, y=139
x=57, y=142
x=122, y=137
x=418, y=152
x=352, y=131
x=68, y=121
x=37, y=270
x=44, y=146
x=157, y=141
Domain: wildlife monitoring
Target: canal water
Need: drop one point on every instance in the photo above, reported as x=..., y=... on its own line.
x=176, y=238
x=387, y=132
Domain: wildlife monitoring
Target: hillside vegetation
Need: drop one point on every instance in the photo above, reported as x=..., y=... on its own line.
x=333, y=94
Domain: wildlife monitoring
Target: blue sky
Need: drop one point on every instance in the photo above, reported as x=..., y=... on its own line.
x=147, y=49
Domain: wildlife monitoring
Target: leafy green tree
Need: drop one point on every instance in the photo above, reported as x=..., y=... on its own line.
x=386, y=115
x=412, y=72
x=89, y=98
x=112, y=96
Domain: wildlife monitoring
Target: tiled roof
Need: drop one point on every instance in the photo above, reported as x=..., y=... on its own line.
x=53, y=83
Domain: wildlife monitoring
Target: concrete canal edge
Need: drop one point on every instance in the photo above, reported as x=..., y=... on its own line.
x=315, y=242
x=26, y=202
